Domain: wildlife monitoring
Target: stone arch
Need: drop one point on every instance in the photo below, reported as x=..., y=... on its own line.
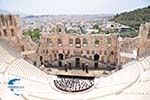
x=12, y=32
x=3, y=20
x=10, y=18
x=85, y=41
x=112, y=52
x=96, y=42
x=22, y=48
x=59, y=41
x=5, y=32
x=34, y=63
x=59, y=28
x=96, y=57
x=70, y=41
x=41, y=58
x=49, y=40
x=60, y=56
x=78, y=42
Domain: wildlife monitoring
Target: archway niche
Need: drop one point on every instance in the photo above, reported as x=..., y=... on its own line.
x=96, y=57
x=60, y=57
x=78, y=43
x=22, y=48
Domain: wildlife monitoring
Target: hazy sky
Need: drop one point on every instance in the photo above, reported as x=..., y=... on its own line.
x=72, y=6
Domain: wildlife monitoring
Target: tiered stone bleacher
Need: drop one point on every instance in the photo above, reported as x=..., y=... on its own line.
x=106, y=86
x=119, y=80
x=26, y=70
x=146, y=63
x=5, y=56
x=129, y=83
x=3, y=66
x=141, y=87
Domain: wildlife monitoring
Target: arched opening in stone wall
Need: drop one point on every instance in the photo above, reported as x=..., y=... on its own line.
x=60, y=57
x=77, y=64
x=78, y=43
x=96, y=57
x=3, y=20
x=12, y=32
x=112, y=53
x=22, y=48
x=10, y=18
x=34, y=63
x=5, y=32
x=41, y=58
x=96, y=42
x=59, y=30
x=49, y=41
x=59, y=41
x=70, y=41
x=85, y=41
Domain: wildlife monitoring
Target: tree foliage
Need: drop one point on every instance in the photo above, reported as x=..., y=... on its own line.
x=34, y=34
x=133, y=18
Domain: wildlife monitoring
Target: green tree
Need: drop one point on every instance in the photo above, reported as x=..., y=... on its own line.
x=34, y=34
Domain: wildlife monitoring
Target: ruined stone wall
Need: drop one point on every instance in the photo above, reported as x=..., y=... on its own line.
x=10, y=31
x=50, y=49
x=141, y=42
x=144, y=34
x=10, y=28
x=127, y=46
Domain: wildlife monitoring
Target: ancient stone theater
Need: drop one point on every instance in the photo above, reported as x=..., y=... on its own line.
x=63, y=66
x=59, y=48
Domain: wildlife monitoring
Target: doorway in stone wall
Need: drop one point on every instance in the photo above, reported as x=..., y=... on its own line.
x=61, y=57
x=77, y=64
